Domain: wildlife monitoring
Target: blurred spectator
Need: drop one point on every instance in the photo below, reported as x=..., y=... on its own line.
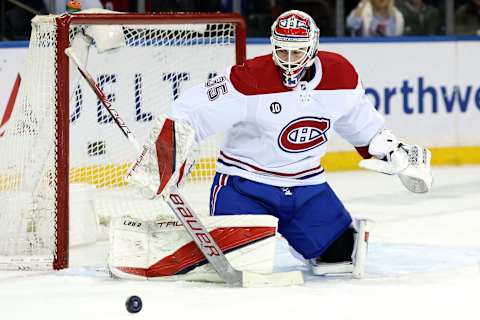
x=188, y=5
x=210, y=5
x=173, y=5
x=467, y=18
x=322, y=11
x=259, y=18
x=376, y=18
x=17, y=20
x=420, y=18
x=58, y=6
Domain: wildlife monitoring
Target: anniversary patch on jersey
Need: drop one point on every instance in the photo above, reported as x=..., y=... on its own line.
x=275, y=107
x=303, y=134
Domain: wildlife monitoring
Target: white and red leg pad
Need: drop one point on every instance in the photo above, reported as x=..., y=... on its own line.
x=162, y=250
x=355, y=267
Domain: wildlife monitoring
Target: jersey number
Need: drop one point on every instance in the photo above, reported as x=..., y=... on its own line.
x=217, y=86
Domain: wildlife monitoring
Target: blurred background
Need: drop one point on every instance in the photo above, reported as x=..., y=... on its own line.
x=418, y=60
x=334, y=17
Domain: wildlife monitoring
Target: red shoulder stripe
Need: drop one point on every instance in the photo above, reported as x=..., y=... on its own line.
x=337, y=72
x=260, y=75
x=257, y=76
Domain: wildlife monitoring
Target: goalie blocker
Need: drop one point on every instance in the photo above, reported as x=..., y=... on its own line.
x=167, y=156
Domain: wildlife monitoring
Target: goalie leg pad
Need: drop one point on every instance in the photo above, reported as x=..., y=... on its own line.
x=355, y=264
x=340, y=250
x=162, y=250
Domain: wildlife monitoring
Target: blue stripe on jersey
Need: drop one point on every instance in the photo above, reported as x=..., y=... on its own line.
x=311, y=175
x=301, y=178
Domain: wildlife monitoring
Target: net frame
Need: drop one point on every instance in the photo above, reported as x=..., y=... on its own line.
x=62, y=110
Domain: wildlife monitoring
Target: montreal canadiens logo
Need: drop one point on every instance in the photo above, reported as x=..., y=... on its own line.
x=292, y=25
x=293, y=21
x=303, y=134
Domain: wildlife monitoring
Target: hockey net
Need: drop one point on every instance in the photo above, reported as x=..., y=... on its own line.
x=60, y=140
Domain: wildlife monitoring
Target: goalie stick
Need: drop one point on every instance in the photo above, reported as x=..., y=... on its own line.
x=189, y=219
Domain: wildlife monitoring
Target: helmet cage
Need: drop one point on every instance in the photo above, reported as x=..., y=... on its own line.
x=290, y=66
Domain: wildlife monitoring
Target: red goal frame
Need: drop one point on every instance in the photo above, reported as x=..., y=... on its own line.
x=62, y=116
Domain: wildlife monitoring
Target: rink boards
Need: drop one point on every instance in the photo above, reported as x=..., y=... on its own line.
x=428, y=91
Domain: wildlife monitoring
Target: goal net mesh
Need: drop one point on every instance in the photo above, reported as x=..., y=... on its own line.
x=142, y=70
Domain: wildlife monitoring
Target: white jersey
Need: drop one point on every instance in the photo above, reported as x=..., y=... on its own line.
x=273, y=134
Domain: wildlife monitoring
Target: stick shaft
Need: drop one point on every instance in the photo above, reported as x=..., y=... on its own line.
x=103, y=99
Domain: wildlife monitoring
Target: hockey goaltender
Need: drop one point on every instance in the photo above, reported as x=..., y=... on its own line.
x=277, y=113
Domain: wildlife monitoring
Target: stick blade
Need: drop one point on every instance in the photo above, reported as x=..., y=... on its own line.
x=276, y=279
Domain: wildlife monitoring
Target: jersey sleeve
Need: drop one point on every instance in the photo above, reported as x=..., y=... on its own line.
x=211, y=107
x=361, y=122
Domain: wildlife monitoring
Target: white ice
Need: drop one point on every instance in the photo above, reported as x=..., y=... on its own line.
x=424, y=263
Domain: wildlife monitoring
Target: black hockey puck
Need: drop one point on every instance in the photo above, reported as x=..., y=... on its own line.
x=133, y=304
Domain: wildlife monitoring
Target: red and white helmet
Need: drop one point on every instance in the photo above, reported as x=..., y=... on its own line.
x=294, y=30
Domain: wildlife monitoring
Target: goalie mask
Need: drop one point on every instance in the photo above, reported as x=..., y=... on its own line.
x=294, y=44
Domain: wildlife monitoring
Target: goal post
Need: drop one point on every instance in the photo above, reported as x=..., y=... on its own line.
x=58, y=135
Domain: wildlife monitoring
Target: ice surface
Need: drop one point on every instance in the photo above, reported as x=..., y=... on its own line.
x=424, y=263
